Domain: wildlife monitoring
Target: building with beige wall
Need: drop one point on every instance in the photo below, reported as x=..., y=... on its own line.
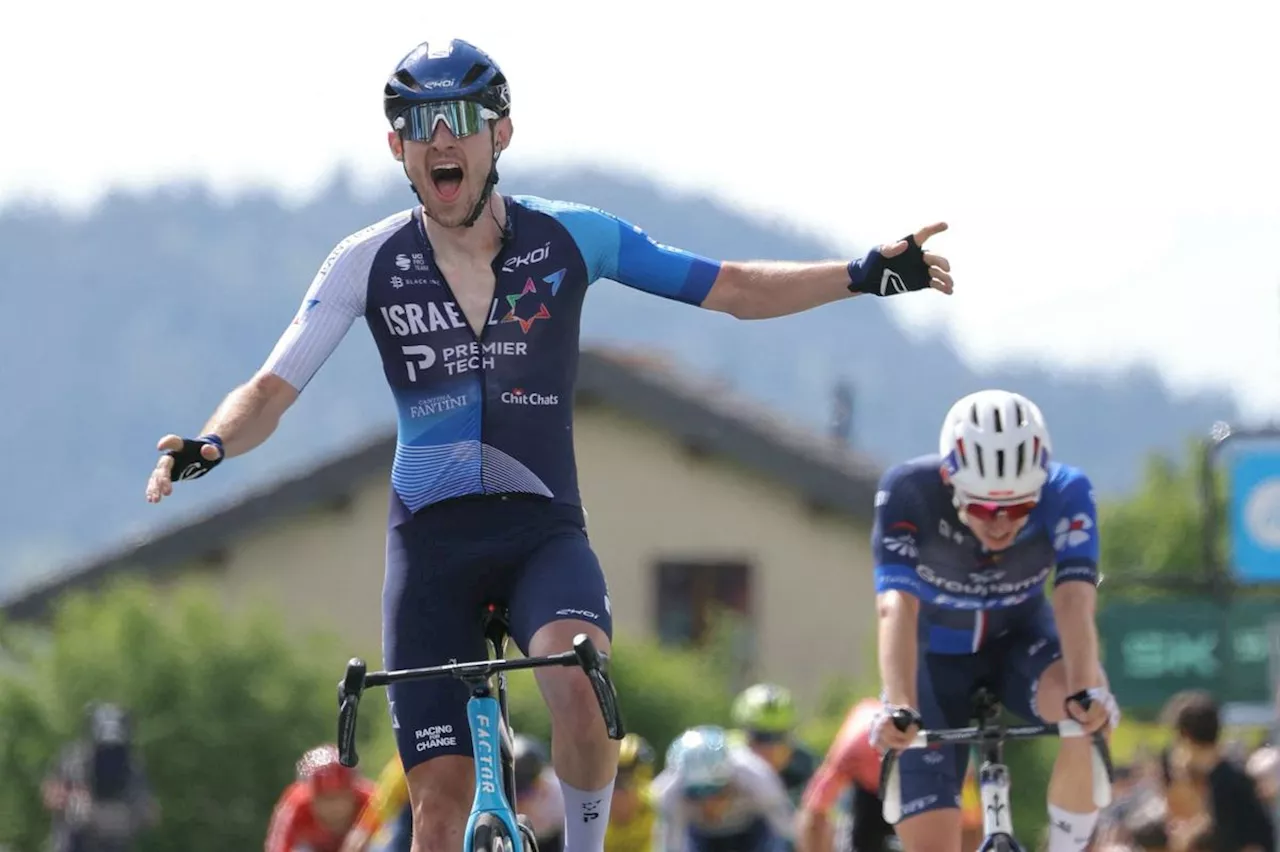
x=694, y=499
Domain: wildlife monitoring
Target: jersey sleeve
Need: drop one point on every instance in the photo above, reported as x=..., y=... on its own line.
x=282, y=831
x=333, y=301
x=614, y=248
x=848, y=761
x=770, y=797
x=1075, y=532
x=893, y=534
x=670, y=830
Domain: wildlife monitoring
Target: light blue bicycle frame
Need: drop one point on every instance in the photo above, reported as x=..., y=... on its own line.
x=485, y=718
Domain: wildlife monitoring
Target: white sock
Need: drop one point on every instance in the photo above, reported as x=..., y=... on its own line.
x=586, y=816
x=1069, y=832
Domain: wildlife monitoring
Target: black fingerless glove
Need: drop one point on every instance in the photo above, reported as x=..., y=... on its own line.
x=188, y=463
x=889, y=276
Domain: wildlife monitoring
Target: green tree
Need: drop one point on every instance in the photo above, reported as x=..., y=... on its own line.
x=223, y=706
x=1159, y=530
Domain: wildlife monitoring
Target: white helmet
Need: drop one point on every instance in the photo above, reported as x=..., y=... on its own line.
x=701, y=758
x=996, y=448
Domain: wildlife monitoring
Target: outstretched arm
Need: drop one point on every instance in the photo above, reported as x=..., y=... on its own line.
x=614, y=248
x=764, y=289
x=251, y=412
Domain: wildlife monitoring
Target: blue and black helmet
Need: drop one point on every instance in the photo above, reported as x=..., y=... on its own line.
x=455, y=71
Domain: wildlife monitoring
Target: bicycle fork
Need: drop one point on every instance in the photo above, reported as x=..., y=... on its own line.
x=997, y=819
x=488, y=735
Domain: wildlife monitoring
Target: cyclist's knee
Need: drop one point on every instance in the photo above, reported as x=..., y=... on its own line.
x=569, y=696
x=440, y=792
x=557, y=636
x=931, y=831
x=1051, y=692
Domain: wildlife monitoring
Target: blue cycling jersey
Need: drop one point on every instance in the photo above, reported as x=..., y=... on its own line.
x=967, y=594
x=488, y=413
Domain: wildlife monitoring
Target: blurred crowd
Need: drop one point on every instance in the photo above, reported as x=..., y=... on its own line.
x=1200, y=793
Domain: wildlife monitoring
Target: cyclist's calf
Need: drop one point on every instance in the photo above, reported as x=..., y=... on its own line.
x=582, y=753
x=440, y=793
x=1072, y=811
x=931, y=831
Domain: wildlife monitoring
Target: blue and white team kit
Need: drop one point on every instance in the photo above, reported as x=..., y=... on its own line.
x=484, y=498
x=984, y=617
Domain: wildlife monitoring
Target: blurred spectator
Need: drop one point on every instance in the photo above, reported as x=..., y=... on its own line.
x=538, y=793
x=97, y=791
x=1195, y=764
x=1129, y=791
x=632, y=817
x=319, y=810
x=1263, y=767
x=1146, y=825
x=765, y=715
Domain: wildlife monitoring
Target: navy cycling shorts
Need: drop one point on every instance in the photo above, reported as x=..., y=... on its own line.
x=443, y=565
x=1010, y=665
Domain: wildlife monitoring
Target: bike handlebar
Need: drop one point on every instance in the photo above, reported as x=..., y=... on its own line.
x=903, y=719
x=995, y=733
x=584, y=655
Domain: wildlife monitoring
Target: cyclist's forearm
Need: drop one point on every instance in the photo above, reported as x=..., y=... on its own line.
x=766, y=289
x=250, y=413
x=1074, y=606
x=897, y=646
x=813, y=832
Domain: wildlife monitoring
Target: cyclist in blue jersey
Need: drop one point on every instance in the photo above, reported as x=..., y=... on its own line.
x=965, y=542
x=474, y=299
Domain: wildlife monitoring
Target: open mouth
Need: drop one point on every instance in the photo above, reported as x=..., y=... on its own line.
x=446, y=179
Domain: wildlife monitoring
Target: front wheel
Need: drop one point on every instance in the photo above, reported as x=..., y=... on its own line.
x=491, y=835
x=999, y=843
x=526, y=833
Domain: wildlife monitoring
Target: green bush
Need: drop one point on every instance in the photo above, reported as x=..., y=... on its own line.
x=661, y=692
x=223, y=706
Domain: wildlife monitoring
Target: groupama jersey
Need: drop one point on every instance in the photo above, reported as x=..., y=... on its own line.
x=967, y=594
x=491, y=412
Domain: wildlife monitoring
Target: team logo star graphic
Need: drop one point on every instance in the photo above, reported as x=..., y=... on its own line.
x=512, y=301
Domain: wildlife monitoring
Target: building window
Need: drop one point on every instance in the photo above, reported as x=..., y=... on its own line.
x=692, y=592
x=707, y=604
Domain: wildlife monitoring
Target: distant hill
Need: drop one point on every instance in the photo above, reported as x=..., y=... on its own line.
x=136, y=318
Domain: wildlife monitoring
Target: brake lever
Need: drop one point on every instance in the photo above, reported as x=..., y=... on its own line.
x=349, y=692
x=594, y=664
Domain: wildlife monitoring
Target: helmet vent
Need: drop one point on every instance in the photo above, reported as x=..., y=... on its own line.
x=474, y=73
x=1019, y=413
x=973, y=414
x=982, y=470
x=406, y=79
x=999, y=421
x=1022, y=457
x=1000, y=464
